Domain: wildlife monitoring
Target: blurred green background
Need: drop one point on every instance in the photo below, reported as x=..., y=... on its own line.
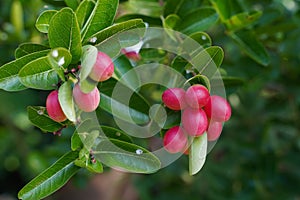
x=256, y=157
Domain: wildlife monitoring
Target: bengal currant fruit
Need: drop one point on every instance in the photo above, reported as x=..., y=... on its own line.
x=214, y=130
x=88, y=102
x=103, y=68
x=53, y=107
x=194, y=121
x=132, y=52
x=175, y=140
x=174, y=98
x=218, y=109
x=197, y=96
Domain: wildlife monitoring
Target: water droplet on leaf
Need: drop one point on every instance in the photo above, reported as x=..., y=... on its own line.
x=203, y=37
x=93, y=39
x=61, y=61
x=41, y=112
x=55, y=53
x=139, y=151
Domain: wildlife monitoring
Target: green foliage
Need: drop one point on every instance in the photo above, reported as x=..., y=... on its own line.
x=197, y=154
x=257, y=154
x=51, y=179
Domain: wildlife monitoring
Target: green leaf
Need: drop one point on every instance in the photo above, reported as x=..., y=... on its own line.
x=242, y=20
x=94, y=167
x=9, y=78
x=64, y=32
x=126, y=156
x=72, y=3
x=122, y=66
x=122, y=111
x=202, y=38
x=88, y=138
x=173, y=119
x=101, y=17
x=116, y=28
x=252, y=47
x=230, y=81
x=58, y=58
x=65, y=97
x=180, y=7
x=171, y=21
x=145, y=7
x=200, y=79
x=198, y=20
x=153, y=21
x=197, y=154
x=83, y=11
x=208, y=60
x=76, y=142
x=226, y=9
x=88, y=61
x=51, y=179
x=39, y=117
x=137, y=108
x=29, y=48
x=39, y=74
x=114, y=133
x=43, y=21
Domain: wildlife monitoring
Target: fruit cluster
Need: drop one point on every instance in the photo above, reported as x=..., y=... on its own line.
x=102, y=70
x=201, y=113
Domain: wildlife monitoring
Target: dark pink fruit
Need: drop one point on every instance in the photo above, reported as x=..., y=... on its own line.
x=53, y=107
x=86, y=102
x=218, y=109
x=174, y=99
x=132, y=55
x=103, y=68
x=197, y=96
x=214, y=130
x=175, y=140
x=194, y=121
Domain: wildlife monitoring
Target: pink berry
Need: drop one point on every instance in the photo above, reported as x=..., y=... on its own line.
x=175, y=140
x=197, y=96
x=173, y=98
x=103, y=68
x=218, y=109
x=86, y=102
x=194, y=121
x=53, y=107
x=132, y=55
x=214, y=130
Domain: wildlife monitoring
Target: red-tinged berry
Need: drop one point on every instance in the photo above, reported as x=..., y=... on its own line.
x=174, y=99
x=53, y=107
x=103, y=68
x=175, y=140
x=88, y=102
x=132, y=55
x=214, y=130
x=197, y=96
x=194, y=121
x=218, y=109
